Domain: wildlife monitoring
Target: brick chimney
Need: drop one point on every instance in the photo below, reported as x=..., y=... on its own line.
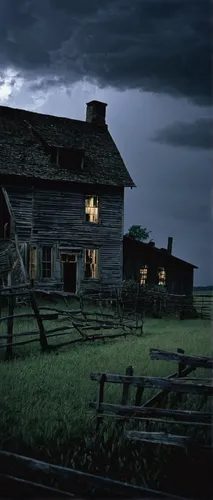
x=169, y=246
x=96, y=112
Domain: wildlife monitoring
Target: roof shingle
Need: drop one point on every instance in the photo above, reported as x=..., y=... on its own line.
x=23, y=135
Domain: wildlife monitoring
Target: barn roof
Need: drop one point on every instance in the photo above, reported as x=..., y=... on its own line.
x=26, y=139
x=141, y=245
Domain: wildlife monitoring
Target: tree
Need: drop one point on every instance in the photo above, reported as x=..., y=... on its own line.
x=138, y=233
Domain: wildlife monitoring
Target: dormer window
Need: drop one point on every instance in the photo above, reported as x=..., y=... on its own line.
x=91, y=208
x=68, y=158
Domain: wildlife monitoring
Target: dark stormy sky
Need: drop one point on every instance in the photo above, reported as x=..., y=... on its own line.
x=150, y=60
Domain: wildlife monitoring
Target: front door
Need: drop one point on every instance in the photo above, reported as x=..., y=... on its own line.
x=69, y=272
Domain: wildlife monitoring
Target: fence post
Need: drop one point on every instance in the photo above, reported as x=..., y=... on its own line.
x=43, y=340
x=9, y=348
x=138, y=397
x=201, y=311
x=181, y=367
x=126, y=387
x=181, y=309
x=100, y=401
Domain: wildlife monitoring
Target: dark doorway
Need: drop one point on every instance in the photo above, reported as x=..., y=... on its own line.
x=69, y=271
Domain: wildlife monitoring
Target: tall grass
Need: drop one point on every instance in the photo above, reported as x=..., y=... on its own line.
x=44, y=400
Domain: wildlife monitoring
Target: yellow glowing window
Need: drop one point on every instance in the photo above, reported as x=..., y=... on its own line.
x=143, y=275
x=161, y=276
x=91, y=208
x=91, y=263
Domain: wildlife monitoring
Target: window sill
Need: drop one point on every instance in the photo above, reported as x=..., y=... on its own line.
x=92, y=223
x=92, y=279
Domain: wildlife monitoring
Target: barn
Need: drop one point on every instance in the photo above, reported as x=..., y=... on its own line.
x=149, y=265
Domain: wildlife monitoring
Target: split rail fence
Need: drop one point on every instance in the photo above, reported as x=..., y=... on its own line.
x=89, y=325
x=153, y=410
x=29, y=477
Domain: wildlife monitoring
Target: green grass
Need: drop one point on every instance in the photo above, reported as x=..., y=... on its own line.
x=44, y=397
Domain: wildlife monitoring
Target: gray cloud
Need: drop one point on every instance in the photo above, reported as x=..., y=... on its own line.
x=156, y=45
x=197, y=134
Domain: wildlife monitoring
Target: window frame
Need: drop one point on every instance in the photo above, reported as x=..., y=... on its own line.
x=161, y=269
x=143, y=268
x=98, y=207
x=42, y=261
x=34, y=277
x=98, y=264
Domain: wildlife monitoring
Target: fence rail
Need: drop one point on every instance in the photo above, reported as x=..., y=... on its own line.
x=70, y=482
x=177, y=357
x=89, y=325
x=203, y=305
x=177, y=383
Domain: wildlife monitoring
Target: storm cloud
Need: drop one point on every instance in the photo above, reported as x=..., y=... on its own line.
x=197, y=134
x=161, y=46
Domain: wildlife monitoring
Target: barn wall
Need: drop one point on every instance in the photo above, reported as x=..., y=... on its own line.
x=56, y=218
x=179, y=274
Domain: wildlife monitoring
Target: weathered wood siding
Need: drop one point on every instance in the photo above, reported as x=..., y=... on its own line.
x=57, y=218
x=21, y=204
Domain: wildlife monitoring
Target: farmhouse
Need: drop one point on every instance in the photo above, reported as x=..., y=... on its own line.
x=61, y=199
x=149, y=265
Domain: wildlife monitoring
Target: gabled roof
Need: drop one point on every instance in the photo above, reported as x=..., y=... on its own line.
x=24, y=136
x=141, y=245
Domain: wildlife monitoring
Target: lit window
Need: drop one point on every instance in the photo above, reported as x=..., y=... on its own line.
x=32, y=263
x=143, y=275
x=161, y=276
x=91, y=263
x=46, y=264
x=91, y=208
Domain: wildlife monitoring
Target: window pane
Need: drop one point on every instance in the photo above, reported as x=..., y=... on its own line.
x=46, y=264
x=33, y=263
x=46, y=254
x=91, y=208
x=161, y=276
x=143, y=275
x=71, y=258
x=91, y=263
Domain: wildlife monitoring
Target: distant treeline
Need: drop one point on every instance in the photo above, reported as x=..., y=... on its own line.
x=203, y=288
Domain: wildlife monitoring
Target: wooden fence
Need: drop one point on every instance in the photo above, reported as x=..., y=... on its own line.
x=177, y=383
x=203, y=305
x=81, y=321
x=28, y=477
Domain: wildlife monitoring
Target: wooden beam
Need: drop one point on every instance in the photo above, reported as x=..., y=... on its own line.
x=186, y=385
x=43, y=340
x=149, y=412
x=166, y=439
x=11, y=304
x=158, y=438
x=45, y=317
x=25, y=487
x=15, y=287
x=70, y=479
x=176, y=357
x=15, y=234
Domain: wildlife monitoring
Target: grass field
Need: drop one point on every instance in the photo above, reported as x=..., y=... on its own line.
x=44, y=397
